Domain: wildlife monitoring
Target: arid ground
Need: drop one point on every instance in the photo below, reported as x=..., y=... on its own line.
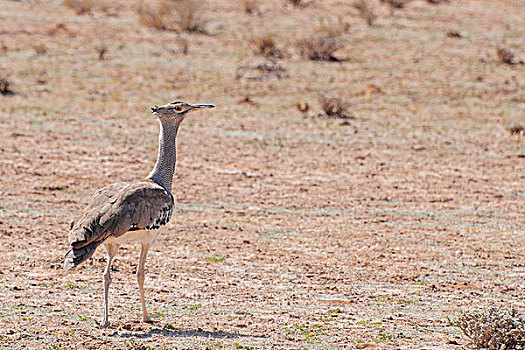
x=293, y=230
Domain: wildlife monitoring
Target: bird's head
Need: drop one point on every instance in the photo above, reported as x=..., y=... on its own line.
x=175, y=112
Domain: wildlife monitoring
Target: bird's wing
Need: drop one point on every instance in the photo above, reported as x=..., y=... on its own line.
x=118, y=208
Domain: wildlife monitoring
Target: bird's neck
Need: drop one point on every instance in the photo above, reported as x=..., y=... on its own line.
x=162, y=173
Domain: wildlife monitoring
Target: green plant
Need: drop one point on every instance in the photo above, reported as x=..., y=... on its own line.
x=192, y=308
x=215, y=259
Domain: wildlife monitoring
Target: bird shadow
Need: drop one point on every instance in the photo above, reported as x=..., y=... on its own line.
x=168, y=331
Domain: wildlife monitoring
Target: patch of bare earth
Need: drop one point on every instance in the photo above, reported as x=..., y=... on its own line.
x=292, y=231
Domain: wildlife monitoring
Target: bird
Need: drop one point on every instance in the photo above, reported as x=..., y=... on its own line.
x=131, y=212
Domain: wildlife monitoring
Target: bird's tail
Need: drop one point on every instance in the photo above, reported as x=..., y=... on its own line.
x=76, y=256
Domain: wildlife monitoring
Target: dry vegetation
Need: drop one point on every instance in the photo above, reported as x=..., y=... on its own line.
x=296, y=2
x=181, y=15
x=154, y=16
x=80, y=6
x=494, y=328
x=334, y=107
x=366, y=11
x=320, y=48
x=40, y=48
x=295, y=229
x=5, y=85
x=250, y=6
x=266, y=45
x=505, y=55
x=395, y=4
x=101, y=49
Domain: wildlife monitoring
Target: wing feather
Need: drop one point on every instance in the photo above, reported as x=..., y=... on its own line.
x=116, y=209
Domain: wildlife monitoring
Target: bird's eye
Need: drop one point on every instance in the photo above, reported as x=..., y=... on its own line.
x=178, y=108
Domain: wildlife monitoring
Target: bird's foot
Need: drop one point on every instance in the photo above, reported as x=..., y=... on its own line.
x=104, y=324
x=147, y=319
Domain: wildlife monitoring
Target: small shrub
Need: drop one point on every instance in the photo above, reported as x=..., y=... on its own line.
x=185, y=15
x=296, y=2
x=250, y=6
x=333, y=28
x=266, y=46
x=505, y=56
x=454, y=34
x=101, y=50
x=152, y=17
x=184, y=45
x=395, y=4
x=302, y=107
x=334, y=106
x=40, y=49
x=80, y=6
x=365, y=11
x=4, y=87
x=320, y=48
x=189, y=16
x=516, y=129
x=494, y=329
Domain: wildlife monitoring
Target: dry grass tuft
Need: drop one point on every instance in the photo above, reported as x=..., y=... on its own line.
x=250, y=6
x=320, y=48
x=267, y=46
x=296, y=2
x=4, y=87
x=40, y=48
x=302, y=107
x=184, y=15
x=189, y=16
x=184, y=45
x=396, y=4
x=101, y=49
x=333, y=28
x=153, y=16
x=494, y=329
x=80, y=6
x=366, y=11
x=505, y=56
x=516, y=129
x=454, y=34
x=334, y=107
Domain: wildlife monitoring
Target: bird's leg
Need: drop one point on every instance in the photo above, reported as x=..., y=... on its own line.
x=140, y=280
x=112, y=251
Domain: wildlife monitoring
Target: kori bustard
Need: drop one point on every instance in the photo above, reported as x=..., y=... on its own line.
x=131, y=212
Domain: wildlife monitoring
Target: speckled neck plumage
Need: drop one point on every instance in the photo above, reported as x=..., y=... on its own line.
x=164, y=168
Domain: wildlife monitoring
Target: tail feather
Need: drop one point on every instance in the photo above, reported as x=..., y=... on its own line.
x=76, y=256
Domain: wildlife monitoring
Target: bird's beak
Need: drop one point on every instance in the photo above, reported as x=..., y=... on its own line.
x=202, y=106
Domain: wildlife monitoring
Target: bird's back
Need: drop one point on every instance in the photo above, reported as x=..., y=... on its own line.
x=114, y=210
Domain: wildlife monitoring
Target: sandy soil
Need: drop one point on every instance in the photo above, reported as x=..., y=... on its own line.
x=292, y=231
